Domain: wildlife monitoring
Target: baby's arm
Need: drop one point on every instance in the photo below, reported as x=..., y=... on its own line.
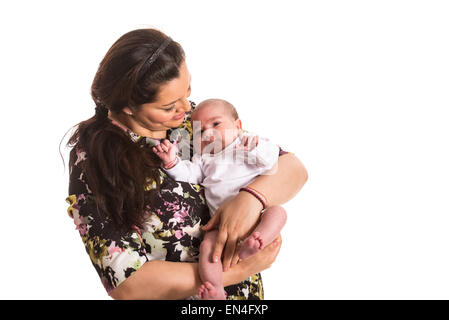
x=166, y=151
x=181, y=170
x=266, y=153
x=257, y=151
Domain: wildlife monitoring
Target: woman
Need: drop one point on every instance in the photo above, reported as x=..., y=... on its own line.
x=139, y=227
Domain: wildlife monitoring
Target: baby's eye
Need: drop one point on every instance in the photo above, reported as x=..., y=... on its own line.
x=216, y=123
x=198, y=132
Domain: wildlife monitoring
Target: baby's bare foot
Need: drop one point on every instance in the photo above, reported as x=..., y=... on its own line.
x=208, y=292
x=251, y=245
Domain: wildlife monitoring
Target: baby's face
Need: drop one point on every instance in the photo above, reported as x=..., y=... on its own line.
x=215, y=126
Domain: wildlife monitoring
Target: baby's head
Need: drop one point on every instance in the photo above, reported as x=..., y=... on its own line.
x=217, y=123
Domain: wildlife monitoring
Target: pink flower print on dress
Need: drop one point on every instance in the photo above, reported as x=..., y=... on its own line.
x=80, y=156
x=179, y=234
x=172, y=206
x=180, y=215
x=82, y=228
x=113, y=249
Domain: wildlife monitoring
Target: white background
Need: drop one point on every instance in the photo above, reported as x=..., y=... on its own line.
x=358, y=90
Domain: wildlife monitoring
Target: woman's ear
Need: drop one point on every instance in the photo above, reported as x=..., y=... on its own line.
x=128, y=111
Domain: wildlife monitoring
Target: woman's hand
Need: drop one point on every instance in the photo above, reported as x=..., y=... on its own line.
x=235, y=220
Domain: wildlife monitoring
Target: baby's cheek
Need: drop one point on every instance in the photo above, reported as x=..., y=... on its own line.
x=229, y=136
x=222, y=134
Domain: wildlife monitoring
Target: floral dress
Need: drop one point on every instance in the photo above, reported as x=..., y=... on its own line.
x=172, y=233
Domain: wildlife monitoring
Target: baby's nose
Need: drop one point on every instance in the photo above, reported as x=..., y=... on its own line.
x=208, y=136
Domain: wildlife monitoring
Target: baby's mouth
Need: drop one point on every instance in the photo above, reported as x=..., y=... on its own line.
x=211, y=146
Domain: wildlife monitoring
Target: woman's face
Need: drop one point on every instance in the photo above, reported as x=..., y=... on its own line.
x=167, y=111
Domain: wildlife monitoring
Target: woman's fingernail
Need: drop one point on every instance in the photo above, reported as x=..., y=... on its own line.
x=215, y=259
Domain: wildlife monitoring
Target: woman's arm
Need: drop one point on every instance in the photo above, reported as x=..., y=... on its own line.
x=160, y=280
x=285, y=183
x=179, y=280
x=236, y=218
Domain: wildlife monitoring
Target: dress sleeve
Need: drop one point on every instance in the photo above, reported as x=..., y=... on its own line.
x=114, y=255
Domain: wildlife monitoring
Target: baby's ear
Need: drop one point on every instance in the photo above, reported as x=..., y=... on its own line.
x=238, y=124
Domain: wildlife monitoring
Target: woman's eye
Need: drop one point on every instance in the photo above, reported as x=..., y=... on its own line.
x=171, y=108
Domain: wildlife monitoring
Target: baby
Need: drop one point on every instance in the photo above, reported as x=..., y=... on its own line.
x=223, y=166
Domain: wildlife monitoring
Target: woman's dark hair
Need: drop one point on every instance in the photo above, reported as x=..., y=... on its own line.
x=116, y=168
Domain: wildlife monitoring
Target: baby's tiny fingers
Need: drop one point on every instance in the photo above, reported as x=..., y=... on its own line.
x=167, y=142
x=256, y=141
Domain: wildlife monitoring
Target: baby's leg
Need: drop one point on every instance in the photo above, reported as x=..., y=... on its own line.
x=268, y=229
x=210, y=272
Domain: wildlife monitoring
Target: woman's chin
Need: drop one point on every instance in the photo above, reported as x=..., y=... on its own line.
x=175, y=123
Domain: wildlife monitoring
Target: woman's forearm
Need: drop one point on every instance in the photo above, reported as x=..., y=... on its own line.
x=165, y=280
x=160, y=280
x=284, y=183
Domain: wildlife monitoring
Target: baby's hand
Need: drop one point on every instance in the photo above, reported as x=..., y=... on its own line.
x=248, y=141
x=166, y=151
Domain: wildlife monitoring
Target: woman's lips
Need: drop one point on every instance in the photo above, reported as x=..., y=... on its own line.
x=180, y=116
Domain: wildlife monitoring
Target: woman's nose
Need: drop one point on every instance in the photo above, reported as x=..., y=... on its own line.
x=184, y=106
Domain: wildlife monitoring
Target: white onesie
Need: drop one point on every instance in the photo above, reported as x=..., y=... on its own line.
x=223, y=174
